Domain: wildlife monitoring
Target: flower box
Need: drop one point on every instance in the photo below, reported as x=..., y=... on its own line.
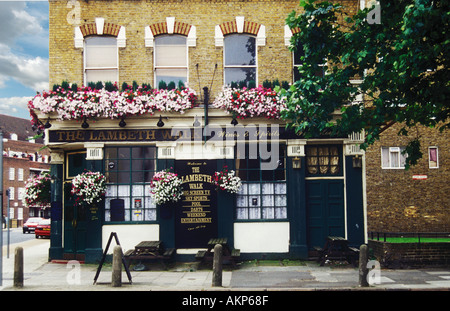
x=251, y=102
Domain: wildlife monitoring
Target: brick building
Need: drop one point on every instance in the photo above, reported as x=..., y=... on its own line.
x=414, y=200
x=21, y=159
x=305, y=190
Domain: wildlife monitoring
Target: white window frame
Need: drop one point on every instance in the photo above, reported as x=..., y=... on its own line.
x=12, y=174
x=20, y=193
x=242, y=66
x=429, y=157
x=11, y=193
x=155, y=66
x=295, y=66
x=20, y=172
x=85, y=68
x=391, y=151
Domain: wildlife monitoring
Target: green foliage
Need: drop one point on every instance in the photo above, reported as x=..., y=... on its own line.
x=171, y=85
x=404, y=58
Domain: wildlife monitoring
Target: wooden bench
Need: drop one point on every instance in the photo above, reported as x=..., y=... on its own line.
x=150, y=250
x=231, y=256
x=336, y=248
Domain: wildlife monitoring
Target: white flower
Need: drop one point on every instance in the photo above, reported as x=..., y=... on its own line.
x=165, y=187
x=89, y=187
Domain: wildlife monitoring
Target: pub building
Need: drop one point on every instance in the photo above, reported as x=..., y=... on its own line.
x=294, y=191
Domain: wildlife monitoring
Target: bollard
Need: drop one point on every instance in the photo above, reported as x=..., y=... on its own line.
x=217, y=266
x=18, y=267
x=363, y=271
x=116, y=280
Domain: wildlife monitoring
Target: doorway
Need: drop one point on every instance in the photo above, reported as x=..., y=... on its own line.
x=75, y=216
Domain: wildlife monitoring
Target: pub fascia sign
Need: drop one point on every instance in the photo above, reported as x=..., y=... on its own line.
x=184, y=134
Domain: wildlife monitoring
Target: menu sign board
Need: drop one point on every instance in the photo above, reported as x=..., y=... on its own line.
x=196, y=213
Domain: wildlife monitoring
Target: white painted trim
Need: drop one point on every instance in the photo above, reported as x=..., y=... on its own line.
x=78, y=38
x=262, y=237
x=287, y=35
x=170, y=21
x=364, y=189
x=122, y=38
x=261, y=37
x=240, y=24
x=218, y=37
x=148, y=37
x=192, y=37
x=99, y=24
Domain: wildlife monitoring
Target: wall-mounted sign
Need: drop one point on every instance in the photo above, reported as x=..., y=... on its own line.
x=419, y=177
x=213, y=134
x=196, y=213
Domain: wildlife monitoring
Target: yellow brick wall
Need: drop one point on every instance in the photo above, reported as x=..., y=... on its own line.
x=136, y=60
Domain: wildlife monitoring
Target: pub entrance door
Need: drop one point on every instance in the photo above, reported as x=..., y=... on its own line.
x=325, y=210
x=75, y=217
x=196, y=214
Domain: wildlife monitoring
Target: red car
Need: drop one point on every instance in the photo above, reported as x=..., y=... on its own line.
x=43, y=229
x=31, y=224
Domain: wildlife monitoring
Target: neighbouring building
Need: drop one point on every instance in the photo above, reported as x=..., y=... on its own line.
x=295, y=191
x=413, y=200
x=23, y=157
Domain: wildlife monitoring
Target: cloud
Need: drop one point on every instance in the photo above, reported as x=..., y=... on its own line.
x=16, y=21
x=30, y=71
x=23, y=45
x=12, y=105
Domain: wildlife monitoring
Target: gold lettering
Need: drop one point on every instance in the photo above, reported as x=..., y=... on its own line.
x=101, y=136
x=60, y=135
x=70, y=135
x=151, y=134
x=80, y=136
x=132, y=135
x=112, y=135
x=122, y=135
x=166, y=134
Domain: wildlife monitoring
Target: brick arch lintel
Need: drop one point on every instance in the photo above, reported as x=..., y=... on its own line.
x=288, y=32
x=100, y=28
x=170, y=26
x=240, y=25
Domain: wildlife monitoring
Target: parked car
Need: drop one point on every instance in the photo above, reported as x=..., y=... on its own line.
x=31, y=224
x=43, y=229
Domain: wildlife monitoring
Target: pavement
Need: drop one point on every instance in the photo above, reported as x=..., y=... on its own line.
x=41, y=275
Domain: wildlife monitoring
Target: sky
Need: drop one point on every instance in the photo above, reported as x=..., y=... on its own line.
x=23, y=54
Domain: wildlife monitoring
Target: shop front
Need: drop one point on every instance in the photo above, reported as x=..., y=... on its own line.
x=294, y=192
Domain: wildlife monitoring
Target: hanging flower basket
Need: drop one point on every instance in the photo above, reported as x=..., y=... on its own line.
x=227, y=180
x=165, y=187
x=89, y=187
x=251, y=102
x=37, y=191
x=86, y=102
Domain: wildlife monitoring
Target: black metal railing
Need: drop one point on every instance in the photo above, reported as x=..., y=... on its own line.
x=383, y=236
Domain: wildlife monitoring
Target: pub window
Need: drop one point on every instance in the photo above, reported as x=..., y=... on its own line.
x=393, y=157
x=323, y=160
x=263, y=192
x=101, y=59
x=433, y=157
x=239, y=58
x=129, y=171
x=171, y=59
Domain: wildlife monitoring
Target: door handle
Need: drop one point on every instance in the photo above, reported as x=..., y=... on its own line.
x=74, y=223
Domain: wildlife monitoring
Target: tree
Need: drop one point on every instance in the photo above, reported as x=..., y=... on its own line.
x=402, y=60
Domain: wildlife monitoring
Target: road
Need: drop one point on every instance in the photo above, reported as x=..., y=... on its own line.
x=16, y=235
